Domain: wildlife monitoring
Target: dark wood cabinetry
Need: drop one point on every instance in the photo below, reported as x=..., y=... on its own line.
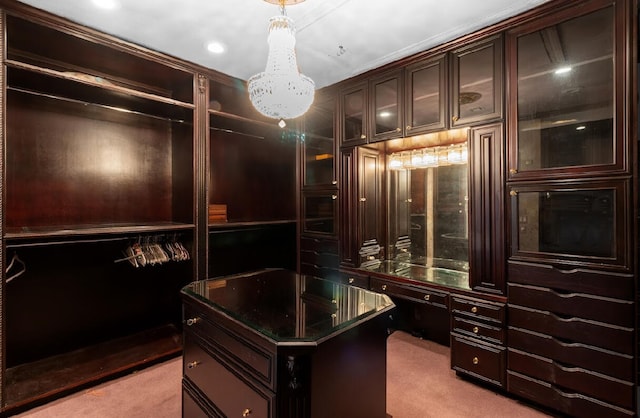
x=98, y=178
x=478, y=339
x=271, y=344
x=476, y=87
x=486, y=202
x=354, y=119
x=426, y=95
x=251, y=173
x=319, y=200
x=571, y=273
x=360, y=219
x=386, y=106
x=420, y=310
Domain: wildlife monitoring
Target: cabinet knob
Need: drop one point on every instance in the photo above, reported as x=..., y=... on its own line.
x=474, y=309
x=363, y=136
x=475, y=330
x=384, y=287
x=427, y=297
x=513, y=193
x=246, y=412
x=334, y=182
x=475, y=360
x=192, y=364
x=408, y=127
x=334, y=196
x=513, y=171
x=192, y=321
x=363, y=199
x=398, y=129
x=351, y=280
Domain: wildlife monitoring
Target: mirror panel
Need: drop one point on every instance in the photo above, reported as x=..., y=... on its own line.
x=428, y=211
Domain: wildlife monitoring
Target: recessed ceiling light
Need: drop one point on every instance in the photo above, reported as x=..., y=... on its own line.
x=563, y=70
x=106, y=4
x=215, y=47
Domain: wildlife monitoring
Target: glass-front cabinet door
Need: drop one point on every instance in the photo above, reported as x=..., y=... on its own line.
x=353, y=110
x=319, y=213
x=564, y=96
x=476, y=82
x=579, y=223
x=426, y=96
x=319, y=144
x=386, y=109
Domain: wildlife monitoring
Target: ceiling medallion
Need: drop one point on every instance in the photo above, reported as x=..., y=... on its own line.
x=285, y=2
x=467, y=97
x=280, y=91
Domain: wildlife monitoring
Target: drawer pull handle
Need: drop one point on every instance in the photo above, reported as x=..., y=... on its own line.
x=475, y=360
x=384, y=287
x=474, y=309
x=351, y=280
x=192, y=321
x=427, y=297
x=246, y=412
x=193, y=364
x=475, y=330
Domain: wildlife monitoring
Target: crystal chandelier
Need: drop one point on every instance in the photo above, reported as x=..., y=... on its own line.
x=281, y=92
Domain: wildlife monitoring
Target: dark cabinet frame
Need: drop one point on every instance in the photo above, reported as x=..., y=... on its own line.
x=486, y=201
x=622, y=83
x=495, y=43
x=441, y=61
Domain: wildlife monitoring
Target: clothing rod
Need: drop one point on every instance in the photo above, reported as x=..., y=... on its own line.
x=90, y=240
x=103, y=106
x=229, y=131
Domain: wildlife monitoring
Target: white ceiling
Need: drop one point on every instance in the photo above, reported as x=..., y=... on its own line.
x=370, y=32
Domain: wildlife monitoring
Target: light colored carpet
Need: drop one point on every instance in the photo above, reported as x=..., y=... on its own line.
x=420, y=384
x=154, y=392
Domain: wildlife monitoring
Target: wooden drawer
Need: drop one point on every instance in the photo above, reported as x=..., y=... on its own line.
x=482, y=361
x=612, y=311
x=597, y=385
x=591, y=282
x=320, y=259
x=255, y=361
x=478, y=309
x=320, y=271
x=620, y=366
x=193, y=405
x=352, y=279
x=475, y=329
x=574, y=330
x=231, y=394
x=421, y=295
x=329, y=246
x=570, y=403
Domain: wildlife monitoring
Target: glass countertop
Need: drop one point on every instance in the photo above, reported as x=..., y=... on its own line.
x=437, y=275
x=286, y=306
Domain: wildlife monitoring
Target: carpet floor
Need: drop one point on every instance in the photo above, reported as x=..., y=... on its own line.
x=420, y=384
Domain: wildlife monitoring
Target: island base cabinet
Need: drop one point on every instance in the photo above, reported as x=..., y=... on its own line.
x=288, y=346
